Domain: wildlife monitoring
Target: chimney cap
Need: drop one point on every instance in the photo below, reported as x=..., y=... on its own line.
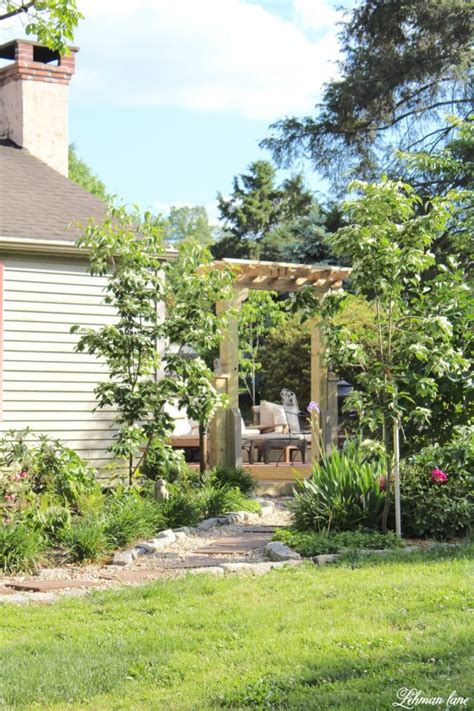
x=42, y=53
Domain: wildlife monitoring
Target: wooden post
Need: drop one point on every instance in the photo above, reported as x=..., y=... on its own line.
x=317, y=387
x=221, y=436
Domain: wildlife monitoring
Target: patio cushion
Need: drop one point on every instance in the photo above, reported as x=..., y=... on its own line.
x=272, y=414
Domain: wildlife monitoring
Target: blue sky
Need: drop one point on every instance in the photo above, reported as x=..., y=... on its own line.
x=171, y=97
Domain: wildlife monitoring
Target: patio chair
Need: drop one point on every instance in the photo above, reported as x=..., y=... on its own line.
x=296, y=439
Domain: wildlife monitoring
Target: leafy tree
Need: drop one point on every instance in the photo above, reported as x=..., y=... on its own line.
x=185, y=223
x=131, y=251
x=306, y=236
x=410, y=346
x=259, y=315
x=258, y=211
x=80, y=173
x=404, y=64
x=52, y=22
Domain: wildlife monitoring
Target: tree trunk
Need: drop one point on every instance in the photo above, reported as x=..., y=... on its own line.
x=130, y=469
x=202, y=451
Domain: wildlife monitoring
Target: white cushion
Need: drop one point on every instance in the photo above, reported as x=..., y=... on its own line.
x=272, y=414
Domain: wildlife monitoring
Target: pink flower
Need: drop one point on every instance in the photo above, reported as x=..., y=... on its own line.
x=24, y=474
x=382, y=483
x=10, y=497
x=438, y=476
x=313, y=407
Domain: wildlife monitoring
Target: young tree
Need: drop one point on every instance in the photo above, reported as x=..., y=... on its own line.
x=130, y=251
x=259, y=314
x=404, y=65
x=52, y=22
x=410, y=344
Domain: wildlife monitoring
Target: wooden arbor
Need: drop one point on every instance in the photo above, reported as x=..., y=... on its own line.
x=224, y=441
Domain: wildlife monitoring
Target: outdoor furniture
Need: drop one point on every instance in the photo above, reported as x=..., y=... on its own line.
x=278, y=428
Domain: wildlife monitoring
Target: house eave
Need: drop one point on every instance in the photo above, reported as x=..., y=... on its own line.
x=51, y=247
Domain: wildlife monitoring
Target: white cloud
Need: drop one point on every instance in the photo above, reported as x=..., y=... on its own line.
x=315, y=14
x=211, y=55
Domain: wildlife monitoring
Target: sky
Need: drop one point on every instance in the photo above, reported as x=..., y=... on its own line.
x=171, y=97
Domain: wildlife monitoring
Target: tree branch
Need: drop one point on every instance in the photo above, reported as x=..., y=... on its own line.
x=17, y=11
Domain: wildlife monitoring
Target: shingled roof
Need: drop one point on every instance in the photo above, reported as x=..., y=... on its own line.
x=37, y=202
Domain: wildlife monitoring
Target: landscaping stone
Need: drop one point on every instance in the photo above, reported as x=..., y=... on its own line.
x=275, y=550
x=180, y=535
x=123, y=558
x=45, y=597
x=168, y=535
x=145, y=548
x=183, y=529
x=325, y=559
x=216, y=570
x=210, y=523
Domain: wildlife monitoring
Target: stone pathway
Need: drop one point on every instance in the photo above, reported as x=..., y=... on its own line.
x=217, y=549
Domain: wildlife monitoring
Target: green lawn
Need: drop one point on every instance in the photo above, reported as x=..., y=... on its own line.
x=303, y=638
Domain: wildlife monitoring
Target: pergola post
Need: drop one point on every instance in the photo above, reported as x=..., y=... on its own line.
x=223, y=444
x=324, y=392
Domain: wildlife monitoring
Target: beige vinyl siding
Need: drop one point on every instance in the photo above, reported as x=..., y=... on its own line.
x=47, y=385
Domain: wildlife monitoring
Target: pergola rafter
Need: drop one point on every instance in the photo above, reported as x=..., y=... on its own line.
x=284, y=276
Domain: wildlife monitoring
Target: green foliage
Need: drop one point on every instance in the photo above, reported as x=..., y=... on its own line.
x=342, y=494
x=21, y=547
x=433, y=509
x=131, y=250
x=129, y=517
x=181, y=509
x=310, y=543
x=232, y=476
x=404, y=65
x=216, y=499
x=190, y=224
x=80, y=173
x=52, y=22
x=162, y=462
x=258, y=214
x=261, y=313
x=32, y=465
x=85, y=539
x=286, y=362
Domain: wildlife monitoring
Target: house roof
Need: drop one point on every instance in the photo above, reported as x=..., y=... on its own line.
x=37, y=202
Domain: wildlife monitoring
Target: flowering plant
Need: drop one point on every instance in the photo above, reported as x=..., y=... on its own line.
x=438, y=476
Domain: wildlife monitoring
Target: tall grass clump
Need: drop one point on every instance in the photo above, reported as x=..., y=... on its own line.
x=343, y=493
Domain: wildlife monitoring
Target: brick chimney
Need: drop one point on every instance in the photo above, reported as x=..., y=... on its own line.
x=34, y=100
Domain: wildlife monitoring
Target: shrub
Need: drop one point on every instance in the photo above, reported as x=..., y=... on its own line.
x=46, y=465
x=432, y=507
x=215, y=500
x=129, y=517
x=162, y=462
x=50, y=516
x=21, y=547
x=85, y=539
x=342, y=494
x=181, y=509
x=232, y=476
x=310, y=543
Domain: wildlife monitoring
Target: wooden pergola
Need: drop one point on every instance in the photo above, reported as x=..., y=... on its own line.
x=224, y=440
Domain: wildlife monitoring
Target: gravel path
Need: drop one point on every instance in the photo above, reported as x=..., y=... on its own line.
x=156, y=566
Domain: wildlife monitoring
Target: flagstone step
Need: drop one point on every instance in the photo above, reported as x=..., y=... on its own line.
x=236, y=544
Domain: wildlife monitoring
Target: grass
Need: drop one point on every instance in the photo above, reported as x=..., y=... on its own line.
x=339, y=637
